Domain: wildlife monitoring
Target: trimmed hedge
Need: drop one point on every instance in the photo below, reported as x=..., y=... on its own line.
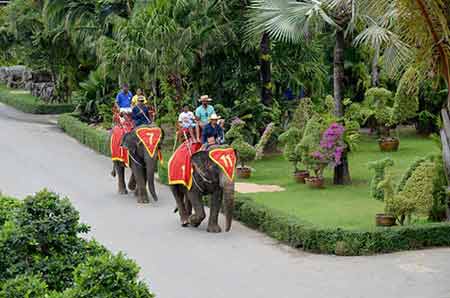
x=301, y=234
x=290, y=229
x=95, y=139
x=36, y=107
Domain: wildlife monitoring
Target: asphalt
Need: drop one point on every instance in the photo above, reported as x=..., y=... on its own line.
x=190, y=263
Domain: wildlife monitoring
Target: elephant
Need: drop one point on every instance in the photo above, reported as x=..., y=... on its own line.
x=208, y=179
x=119, y=171
x=142, y=165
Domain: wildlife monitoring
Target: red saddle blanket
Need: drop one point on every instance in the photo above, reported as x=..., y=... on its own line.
x=119, y=152
x=150, y=137
x=180, y=168
x=225, y=158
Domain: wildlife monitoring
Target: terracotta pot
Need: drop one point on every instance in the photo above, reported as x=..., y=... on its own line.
x=244, y=173
x=384, y=220
x=388, y=144
x=300, y=176
x=315, y=182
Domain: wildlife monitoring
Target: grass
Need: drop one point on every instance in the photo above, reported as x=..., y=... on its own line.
x=23, y=94
x=24, y=101
x=349, y=207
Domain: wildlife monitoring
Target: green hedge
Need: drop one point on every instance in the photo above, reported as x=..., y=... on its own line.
x=94, y=138
x=34, y=107
x=290, y=229
x=301, y=234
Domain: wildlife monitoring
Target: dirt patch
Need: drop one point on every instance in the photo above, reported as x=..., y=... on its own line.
x=254, y=188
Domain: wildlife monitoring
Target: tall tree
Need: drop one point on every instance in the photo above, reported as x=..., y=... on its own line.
x=265, y=71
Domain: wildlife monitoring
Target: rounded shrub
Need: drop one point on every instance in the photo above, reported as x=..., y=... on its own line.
x=108, y=276
x=24, y=286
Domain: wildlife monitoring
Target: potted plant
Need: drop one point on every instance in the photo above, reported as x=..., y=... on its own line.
x=293, y=152
x=379, y=103
x=329, y=153
x=245, y=153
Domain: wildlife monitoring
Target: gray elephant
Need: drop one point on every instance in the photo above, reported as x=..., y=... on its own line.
x=208, y=179
x=119, y=171
x=142, y=164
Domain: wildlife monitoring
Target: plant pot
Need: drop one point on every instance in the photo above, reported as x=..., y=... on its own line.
x=243, y=172
x=315, y=182
x=384, y=220
x=300, y=176
x=388, y=144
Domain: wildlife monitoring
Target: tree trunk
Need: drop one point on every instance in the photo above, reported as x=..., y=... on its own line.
x=338, y=77
x=265, y=72
x=342, y=171
x=375, y=70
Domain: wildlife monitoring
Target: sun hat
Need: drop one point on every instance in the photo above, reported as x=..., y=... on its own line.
x=214, y=117
x=205, y=98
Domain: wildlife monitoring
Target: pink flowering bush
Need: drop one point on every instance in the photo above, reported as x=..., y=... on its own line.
x=330, y=151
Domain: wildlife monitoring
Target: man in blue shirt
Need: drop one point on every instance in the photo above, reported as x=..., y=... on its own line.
x=203, y=112
x=123, y=99
x=212, y=133
x=141, y=115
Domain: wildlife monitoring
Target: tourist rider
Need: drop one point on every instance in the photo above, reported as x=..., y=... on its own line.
x=212, y=133
x=141, y=114
x=123, y=100
x=203, y=113
x=139, y=93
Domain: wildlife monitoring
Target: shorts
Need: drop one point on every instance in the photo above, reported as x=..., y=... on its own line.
x=126, y=110
x=188, y=125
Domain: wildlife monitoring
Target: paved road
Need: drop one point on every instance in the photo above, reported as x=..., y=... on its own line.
x=190, y=263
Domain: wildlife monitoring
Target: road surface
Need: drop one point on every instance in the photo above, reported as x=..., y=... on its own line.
x=190, y=263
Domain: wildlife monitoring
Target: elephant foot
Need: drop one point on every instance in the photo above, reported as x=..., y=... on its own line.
x=195, y=220
x=155, y=198
x=123, y=191
x=213, y=228
x=132, y=186
x=143, y=200
x=185, y=223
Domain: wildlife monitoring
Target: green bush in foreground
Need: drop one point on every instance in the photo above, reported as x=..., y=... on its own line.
x=41, y=248
x=24, y=286
x=8, y=208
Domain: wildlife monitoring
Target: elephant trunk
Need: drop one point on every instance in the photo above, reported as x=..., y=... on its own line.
x=228, y=203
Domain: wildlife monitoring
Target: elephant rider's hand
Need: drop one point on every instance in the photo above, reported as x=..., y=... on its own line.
x=211, y=141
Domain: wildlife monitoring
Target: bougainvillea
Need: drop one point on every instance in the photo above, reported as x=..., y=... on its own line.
x=331, y=149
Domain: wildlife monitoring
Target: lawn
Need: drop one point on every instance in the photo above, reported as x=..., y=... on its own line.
x=348, y=207
x=23, y=94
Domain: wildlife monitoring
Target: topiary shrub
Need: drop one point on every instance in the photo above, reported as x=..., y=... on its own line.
x=415, y=198
x=378, y=104
x=303, y=112
x=108, y=276
x=290, y=140
x=24, y=286
x=406, y=102
x=245, y=152
x=379, y=168
x=310, y=141
x=264, y=140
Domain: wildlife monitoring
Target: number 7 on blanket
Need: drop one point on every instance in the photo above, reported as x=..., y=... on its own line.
x=150, y=137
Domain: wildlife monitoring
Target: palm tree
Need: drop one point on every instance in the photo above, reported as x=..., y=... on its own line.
x=423, y=25
x=296, y=21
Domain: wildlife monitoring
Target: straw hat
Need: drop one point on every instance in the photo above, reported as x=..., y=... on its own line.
x=214, y=117
x=205, y=98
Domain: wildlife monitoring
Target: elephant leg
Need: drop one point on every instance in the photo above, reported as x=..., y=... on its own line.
x=151, y=179
x=216, y=203
x=141, y=187
x=132, y=182
x=188, y=205
x=120, y=170
x=196, y=200
x=179, y=198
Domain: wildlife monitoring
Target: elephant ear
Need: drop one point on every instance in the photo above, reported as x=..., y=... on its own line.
x=129, y=141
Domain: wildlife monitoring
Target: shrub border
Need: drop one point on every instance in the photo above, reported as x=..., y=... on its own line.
x=35, y=108
x=292, y=230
